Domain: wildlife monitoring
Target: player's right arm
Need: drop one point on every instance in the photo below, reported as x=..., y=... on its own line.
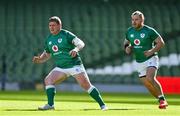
x=41, y=58
x=79, y=45
x=127, y=46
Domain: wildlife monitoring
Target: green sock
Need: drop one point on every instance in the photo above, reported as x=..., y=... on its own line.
x=161, y=97
x=94, y=93
x=50, y=91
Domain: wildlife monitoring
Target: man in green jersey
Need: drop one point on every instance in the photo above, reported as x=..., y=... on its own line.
x=63, y=47
x=145, y=42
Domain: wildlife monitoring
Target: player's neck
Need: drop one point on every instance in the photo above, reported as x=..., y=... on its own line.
x=54, y=34
x=140, y=27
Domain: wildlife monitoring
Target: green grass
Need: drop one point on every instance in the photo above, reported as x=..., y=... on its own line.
x=25, y=103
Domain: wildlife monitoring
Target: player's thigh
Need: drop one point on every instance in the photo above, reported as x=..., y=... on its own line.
x=54, y=77
x=83, y=80
x=145, y=81
x=152, y=67
x=151, y=73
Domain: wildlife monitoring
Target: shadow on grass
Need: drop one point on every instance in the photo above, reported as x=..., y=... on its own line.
x=110, y=109
x=21, y=110
x=67, y=109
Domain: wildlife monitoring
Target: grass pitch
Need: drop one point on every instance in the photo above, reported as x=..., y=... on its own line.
x=25, y=103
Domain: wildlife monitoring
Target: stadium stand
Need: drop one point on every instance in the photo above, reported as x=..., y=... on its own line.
x=100, y=24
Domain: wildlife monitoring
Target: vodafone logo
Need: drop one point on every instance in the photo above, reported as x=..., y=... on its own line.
x=137, y=42
x=55, y=48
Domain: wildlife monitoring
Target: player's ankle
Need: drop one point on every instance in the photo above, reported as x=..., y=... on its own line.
x=161, y=97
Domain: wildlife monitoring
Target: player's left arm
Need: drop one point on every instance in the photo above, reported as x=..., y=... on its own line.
x=159, y=44
x=127, y=46
x=41, y=58
x=79, y=45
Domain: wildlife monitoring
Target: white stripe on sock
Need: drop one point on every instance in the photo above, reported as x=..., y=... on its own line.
x=50, y=86
x=90, y=89
x=160, y=96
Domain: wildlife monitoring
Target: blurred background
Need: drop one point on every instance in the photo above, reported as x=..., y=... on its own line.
x=101, y=24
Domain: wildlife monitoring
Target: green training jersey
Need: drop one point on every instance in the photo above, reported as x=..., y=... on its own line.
x=142, y=40
x=59, y=47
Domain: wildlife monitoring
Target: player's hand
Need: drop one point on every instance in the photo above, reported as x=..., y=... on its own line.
x=36, y=59
x=148, y=53
x=128, y=50
x=73, y=53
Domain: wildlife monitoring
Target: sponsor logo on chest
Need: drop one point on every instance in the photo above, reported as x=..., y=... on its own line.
x=55, y=48
x=137, y=42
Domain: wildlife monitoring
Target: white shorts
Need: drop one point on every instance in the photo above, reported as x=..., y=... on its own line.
x=142, y=67
x=71, y=71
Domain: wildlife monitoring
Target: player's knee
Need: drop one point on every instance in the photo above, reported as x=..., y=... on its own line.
x=48, y=81
x=85, y=86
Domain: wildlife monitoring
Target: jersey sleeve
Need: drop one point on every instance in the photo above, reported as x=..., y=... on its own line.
x=154, y=34
x=70, y=36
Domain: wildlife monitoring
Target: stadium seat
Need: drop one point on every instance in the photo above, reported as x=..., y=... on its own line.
x=165, y=71
x=164, y=61
x=167, y=21
x=174, y=21
x=172, y=46
x=158, y=25
x=177, y=45
x=175, y=70
x=163, y=51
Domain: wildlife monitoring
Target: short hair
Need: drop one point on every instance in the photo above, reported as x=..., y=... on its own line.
x=140, y=14
x=55, y=19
